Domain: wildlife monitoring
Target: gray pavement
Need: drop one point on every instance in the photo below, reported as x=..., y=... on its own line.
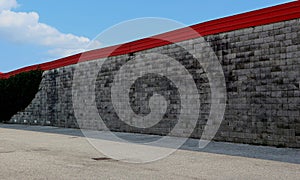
x=40, y=152
x=289, y=155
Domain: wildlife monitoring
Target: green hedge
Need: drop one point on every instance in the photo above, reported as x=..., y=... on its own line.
x=17, y=92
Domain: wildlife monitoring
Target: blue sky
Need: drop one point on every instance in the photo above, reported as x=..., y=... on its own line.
x=34, y=31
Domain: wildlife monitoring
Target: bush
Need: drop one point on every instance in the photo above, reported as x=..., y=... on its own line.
x=17, y=92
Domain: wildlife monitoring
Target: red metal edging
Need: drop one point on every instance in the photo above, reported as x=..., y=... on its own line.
x=264, y=16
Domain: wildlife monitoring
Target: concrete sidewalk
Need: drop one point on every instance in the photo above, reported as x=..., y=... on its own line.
x=35, y=152
x=261, y=152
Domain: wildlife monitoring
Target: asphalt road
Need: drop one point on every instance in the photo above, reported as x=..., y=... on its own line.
x=55, y=153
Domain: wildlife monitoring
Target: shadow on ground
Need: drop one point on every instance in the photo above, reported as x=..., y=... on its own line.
x=251, y=151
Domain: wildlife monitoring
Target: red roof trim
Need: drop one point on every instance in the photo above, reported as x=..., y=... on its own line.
x=264, y=16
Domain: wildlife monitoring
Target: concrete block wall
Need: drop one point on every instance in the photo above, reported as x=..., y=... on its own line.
x=261, y=65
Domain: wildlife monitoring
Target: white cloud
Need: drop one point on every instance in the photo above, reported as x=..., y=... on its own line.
x=64, y=52
x=24, y=27
x=8, y=4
